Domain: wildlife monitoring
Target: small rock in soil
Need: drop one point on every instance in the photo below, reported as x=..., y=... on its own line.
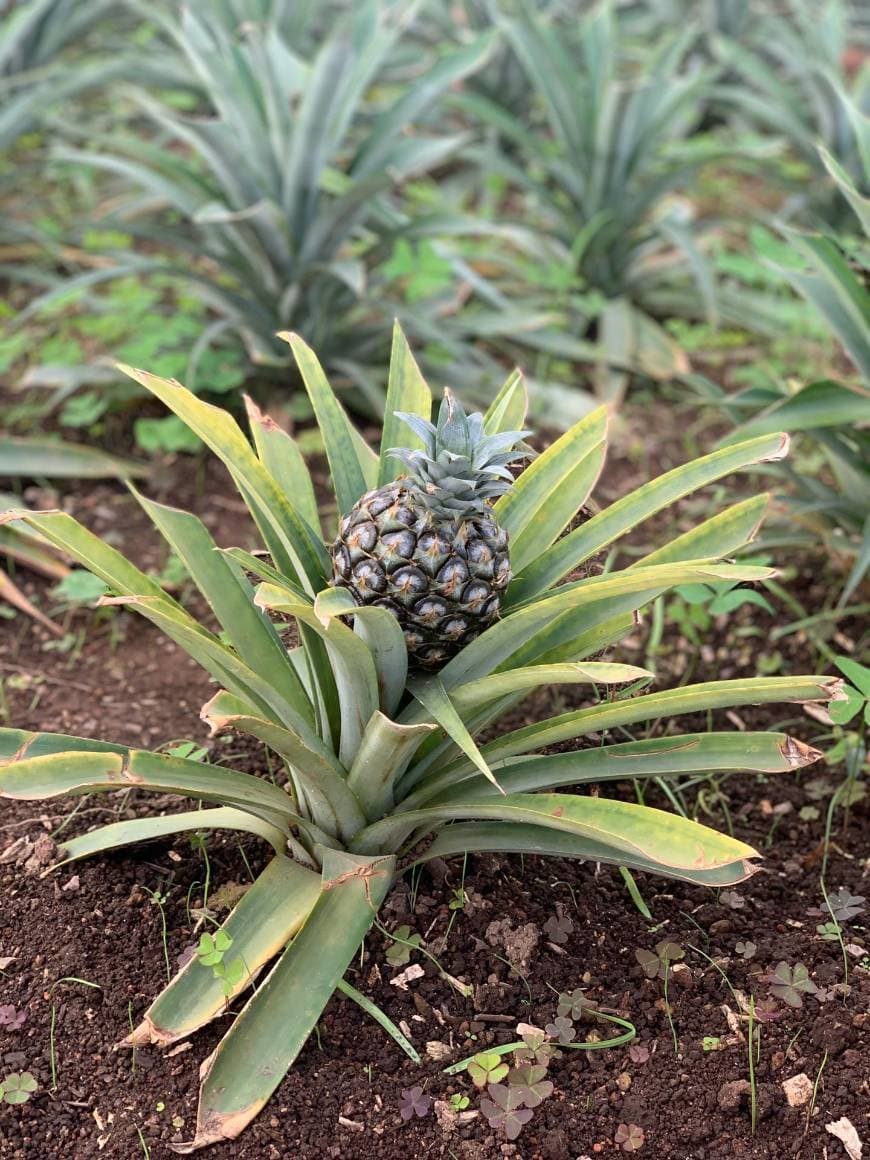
x=798, y=1090
x=731, y=1095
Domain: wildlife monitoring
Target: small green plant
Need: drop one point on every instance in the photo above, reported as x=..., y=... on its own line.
x=17, y=1087
x=509, y=1105
x=754, y=1049
x=503, y=1108
x=458, y=899
x=574, y=1005
x=188, y=750
x=529, y=1082
x=414, y=1102
x=459, y=1102
x=485, y=1068
x=419, y=269
x=562, y=1029
x=855, y=694
x=399, y=952
x=790, y=983
x=559, y=927
x=842, y=906
x=656, y=964
x=211, y=952
x=10, y=1018
x=629, y=1137
x=79, y=589
x=159, y=899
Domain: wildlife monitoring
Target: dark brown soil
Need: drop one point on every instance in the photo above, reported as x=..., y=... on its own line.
x=98, y=922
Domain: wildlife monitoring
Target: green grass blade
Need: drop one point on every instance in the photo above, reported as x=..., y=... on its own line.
x=590, y=642
x=432, y=695
x=535, y=623
x=381, y=1017
x=252, y=1059
x=601, y=631
x=389, y=128
x=381, y=633
x=507, y=411
x=859, y=203
x=17, y=744
x=31, y=457
x=814, y=407
x=57, y=772
x=356, y=678
x=832, y=287
x=474, y=694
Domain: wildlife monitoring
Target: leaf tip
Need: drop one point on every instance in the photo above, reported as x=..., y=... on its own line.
x=781, y=450
x=797, y=753
x=833, y=689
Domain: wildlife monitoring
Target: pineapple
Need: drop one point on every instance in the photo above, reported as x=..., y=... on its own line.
x=428, y=546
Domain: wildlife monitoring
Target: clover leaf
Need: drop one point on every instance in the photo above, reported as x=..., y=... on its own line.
x=486, y=1067
x=504, y=1109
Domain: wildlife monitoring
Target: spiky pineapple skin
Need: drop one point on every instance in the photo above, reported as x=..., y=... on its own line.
x=442, y=579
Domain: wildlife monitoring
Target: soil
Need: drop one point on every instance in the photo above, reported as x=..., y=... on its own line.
x=87, y=950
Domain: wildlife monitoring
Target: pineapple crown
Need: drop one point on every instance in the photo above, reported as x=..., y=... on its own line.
x=460, y=468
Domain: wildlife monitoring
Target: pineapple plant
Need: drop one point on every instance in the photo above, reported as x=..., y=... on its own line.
x=377, y=752
x=428, y=547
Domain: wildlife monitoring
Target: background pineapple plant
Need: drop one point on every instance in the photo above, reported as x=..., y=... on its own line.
x=377, y=757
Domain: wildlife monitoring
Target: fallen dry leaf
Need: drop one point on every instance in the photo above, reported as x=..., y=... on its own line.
x=844, y=1130
x=415, y=971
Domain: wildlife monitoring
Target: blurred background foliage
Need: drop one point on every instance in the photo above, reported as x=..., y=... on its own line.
x=632, y=199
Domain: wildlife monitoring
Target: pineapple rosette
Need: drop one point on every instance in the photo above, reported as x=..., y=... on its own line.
x=372, y=768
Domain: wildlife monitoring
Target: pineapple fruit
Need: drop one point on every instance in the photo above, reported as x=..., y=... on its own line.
x=428, y=546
